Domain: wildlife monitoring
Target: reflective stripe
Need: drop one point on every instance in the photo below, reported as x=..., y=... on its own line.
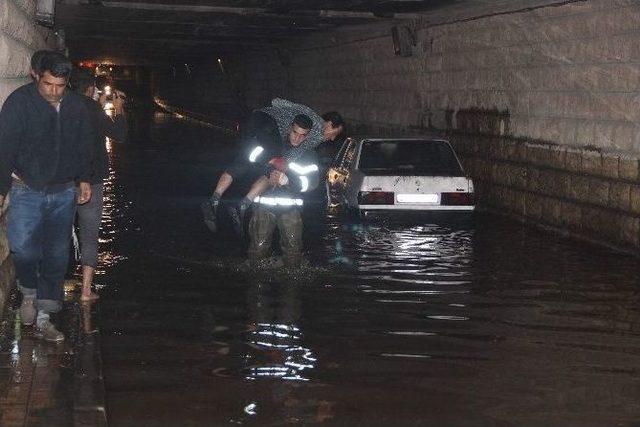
x=255, y=153
x=304, y=184
x=278, y=201
x=303, y=170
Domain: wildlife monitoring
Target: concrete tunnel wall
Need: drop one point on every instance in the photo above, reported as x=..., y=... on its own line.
x=542, y=105
x=20, y=36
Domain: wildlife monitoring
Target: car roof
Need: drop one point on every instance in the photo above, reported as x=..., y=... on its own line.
x=425, y=138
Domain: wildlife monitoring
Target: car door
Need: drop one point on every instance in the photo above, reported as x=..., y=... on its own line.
x=338, y=173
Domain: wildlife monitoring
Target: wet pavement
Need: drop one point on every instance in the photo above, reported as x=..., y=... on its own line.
x=419, y=322
x=52, y=384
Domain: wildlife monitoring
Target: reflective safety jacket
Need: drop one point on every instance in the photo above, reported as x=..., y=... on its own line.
x=302, y=176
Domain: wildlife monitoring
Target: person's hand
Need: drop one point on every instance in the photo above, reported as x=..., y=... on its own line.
x=102, y=100
x=279, y=163
x=85, y=193
x=274, y=177
x=277, y=179
x=118, y=102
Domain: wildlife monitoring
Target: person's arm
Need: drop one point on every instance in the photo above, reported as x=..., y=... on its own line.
x=258, y=187
x=11, y=130
x=300, y=109
x=86, y=138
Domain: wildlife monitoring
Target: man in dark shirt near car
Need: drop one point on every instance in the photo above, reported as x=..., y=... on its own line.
x=45, y=155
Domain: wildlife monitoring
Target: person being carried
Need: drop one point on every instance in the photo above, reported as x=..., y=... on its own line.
x=266, y=128
x=280, y=205
x=90, y=214
x=45, y=150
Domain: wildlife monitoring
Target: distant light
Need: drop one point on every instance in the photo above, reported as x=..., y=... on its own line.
x=110, y=68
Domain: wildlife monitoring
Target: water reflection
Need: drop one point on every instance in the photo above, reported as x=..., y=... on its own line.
x=114, y=214
x=275, y=341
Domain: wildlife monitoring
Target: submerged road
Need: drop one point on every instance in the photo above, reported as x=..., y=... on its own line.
x=394, y=323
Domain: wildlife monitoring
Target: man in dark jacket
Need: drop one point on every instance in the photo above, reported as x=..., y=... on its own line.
x=281, y=204
x=90, y=214
x=45, y=150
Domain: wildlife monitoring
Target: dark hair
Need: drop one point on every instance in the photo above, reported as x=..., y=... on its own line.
x=36, y=59
x=81, y=80
x=55, y=63
x=303, y=121
x=336, y=120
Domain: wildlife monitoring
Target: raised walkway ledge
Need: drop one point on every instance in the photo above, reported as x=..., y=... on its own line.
x=47, y=384
x=225, y=126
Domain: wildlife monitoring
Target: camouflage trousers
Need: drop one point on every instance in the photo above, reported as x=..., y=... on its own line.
x=261, y=228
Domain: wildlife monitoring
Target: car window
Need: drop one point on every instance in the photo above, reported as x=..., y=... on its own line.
x=435, y=158
x=349, y=155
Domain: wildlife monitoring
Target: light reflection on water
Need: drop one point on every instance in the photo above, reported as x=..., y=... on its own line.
x=114, y=210
x=275, y=342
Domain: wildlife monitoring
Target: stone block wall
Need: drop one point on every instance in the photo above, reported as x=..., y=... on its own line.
x=543, y=103
x=20, y=36
x=584, y=192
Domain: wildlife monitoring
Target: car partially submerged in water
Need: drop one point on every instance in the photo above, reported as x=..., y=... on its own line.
x=382, y=175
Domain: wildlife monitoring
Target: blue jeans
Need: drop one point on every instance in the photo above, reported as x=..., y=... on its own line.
x=39, y=232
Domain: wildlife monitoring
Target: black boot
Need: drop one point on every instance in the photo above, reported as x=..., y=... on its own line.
x=243, y=209
x=239, y=215
x=210, y=212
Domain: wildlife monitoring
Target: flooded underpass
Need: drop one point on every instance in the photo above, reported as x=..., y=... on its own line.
x=481, y=322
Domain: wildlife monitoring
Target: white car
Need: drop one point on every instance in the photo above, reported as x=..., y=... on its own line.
x=378, y=175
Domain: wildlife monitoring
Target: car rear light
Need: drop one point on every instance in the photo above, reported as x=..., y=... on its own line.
x=375, y=198
x=457, y=199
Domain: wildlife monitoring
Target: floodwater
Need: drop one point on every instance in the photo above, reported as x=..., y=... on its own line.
x=479, y=323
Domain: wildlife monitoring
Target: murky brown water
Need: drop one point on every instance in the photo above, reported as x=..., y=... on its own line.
x=395, y=323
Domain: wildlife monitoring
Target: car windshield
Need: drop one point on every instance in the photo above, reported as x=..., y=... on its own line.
x=433, y=158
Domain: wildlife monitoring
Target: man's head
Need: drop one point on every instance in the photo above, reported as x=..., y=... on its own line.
x=53, y=76
x=300, y=128
x=83, y=82
x=334, y=126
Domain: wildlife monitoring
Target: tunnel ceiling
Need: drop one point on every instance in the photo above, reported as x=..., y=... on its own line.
x=129, y=31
